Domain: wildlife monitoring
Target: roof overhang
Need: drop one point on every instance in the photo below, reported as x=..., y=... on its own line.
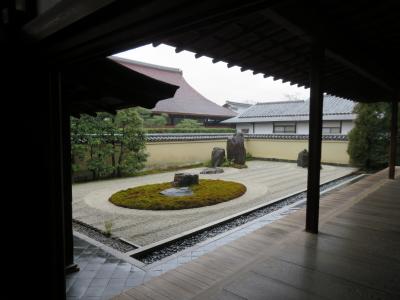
x=270, y=37
x=333, y=117
x=105, y=85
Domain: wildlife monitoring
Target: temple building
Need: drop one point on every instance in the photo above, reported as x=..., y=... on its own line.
x=187, y=103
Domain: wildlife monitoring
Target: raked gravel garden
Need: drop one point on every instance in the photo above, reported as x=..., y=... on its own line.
x=264, y=182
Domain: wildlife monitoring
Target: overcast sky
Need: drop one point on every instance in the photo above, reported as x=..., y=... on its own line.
x=217, y=82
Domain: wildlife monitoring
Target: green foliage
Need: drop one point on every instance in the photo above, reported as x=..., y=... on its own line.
x=232, y=164
x=108, y=145
x=151, y=121
x=188, y=123
x=207, y=192
x=369, y=139
x=132, y=141
x=108, y=227
x=191, y=130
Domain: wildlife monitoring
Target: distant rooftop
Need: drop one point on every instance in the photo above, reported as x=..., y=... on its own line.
x=186, y=101
x=335, y=108
x=234, y=103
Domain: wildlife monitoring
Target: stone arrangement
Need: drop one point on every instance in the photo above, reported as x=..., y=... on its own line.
x=302, y=159
x=217, y=157
x=177, y=192
x=212, y=171
x=185, y=179
x=235, y=149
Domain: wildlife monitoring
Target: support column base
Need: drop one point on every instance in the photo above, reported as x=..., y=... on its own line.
x=72, y=268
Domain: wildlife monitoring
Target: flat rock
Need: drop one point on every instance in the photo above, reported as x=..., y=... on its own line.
x=212, y=171
x=177, y=192
x=185, y=179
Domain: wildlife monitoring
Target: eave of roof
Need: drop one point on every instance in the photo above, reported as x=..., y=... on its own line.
x=269, y=37
x=186, y=101
x=105, y=85
x=305, y=118
x=334, y=108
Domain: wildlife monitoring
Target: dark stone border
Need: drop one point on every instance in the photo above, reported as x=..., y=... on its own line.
x=96, y=234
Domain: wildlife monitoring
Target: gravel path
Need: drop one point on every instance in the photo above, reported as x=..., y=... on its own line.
x=264, y=180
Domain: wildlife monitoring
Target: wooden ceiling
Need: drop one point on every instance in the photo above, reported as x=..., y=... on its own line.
x=362, y=38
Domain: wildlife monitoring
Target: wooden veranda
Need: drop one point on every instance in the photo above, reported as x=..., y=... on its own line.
x=354, y=256
x=345, y=48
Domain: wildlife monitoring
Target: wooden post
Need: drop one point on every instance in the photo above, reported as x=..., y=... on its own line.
x=315, y=136
x=70, y=266
x=393, y=138
x=55, y=187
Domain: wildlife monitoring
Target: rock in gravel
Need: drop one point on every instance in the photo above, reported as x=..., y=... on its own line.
x=177, y=192
x=217, y=157
x=185, y=179
x=235, y=149
x=212, y=171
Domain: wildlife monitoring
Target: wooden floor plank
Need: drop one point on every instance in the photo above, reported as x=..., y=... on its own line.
x=356, y=255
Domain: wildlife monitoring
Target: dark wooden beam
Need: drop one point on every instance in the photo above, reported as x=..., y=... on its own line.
x=315, y=135
x=393, y=138
x=346, y=56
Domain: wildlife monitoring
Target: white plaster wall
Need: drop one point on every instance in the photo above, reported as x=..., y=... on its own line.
x=347, y=126
x=241, y=126
x=263, y=128
x=302, y=128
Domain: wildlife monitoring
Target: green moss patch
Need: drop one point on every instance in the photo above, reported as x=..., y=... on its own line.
x=207, y=192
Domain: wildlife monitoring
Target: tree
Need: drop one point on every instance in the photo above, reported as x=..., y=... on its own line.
x=132, y=155
x=149, y=120
x=369, y=139
x=89, y=138
x=188, y=123
x=108, y=144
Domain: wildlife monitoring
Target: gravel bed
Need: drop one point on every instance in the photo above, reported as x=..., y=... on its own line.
x=97, y=235
x=192, y=240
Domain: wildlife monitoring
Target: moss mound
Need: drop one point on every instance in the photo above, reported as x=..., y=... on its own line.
x=207, y=192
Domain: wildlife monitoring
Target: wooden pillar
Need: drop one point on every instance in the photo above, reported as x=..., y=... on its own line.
x=393, y=138
x=70, y=266
x=315, y=136
x=55, y=187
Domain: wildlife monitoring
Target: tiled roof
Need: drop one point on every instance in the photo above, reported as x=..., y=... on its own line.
x=186, y=101
x=335, y=108
x=237, y=103
x=176, y=137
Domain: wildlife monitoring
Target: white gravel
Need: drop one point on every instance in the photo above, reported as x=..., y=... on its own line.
x=264, y=180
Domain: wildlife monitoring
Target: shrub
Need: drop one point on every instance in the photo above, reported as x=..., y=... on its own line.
x=188, y=123
x=108, y=226
x=369, y=139
x=190, y=130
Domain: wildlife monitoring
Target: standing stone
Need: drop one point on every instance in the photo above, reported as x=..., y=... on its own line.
x=217, y=156
x=235, y=149
x=302, y=159
x=185, y=179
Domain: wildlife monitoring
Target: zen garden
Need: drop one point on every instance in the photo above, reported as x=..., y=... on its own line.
x=140, y=184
